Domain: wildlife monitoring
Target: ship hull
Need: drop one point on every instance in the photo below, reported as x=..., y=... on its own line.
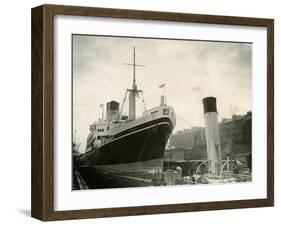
x=136, y=174
x=135, y=154
x=149, y=166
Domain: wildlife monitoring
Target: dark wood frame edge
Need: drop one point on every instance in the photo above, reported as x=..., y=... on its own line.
x=42, y=201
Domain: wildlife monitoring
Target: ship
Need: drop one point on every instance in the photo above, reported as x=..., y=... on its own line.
x=128, y=146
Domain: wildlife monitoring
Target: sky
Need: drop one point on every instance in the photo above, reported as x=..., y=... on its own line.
x=191, y=70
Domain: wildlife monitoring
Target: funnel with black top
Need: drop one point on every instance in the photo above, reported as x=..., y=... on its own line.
x=212, y=135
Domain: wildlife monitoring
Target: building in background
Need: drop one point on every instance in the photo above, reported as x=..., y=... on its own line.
x=235, y=138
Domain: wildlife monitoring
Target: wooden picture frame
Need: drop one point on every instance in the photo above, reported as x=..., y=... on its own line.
x=42, y=203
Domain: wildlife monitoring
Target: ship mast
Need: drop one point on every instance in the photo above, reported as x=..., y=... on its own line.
x=134, y=91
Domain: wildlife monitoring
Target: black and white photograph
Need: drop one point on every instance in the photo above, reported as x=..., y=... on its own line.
x=160, y=112
x=121, y=113
x=140, y=112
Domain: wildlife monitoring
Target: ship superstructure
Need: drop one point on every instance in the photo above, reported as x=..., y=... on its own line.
x=127, y=144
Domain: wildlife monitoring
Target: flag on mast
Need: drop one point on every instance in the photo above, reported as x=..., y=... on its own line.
x=162, y=85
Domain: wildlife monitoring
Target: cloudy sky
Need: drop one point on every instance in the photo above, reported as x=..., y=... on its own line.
x=191, y=70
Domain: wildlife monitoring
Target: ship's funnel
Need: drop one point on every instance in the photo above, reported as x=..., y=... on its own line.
x=112, y=110
x=212, y=135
